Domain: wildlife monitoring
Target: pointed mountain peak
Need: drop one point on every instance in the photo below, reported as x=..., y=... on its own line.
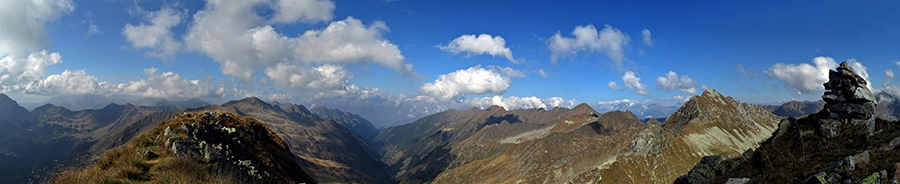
x=495, y=107
x=49, y=107
x=711, y=93
x=583, y=106
x=249, y=100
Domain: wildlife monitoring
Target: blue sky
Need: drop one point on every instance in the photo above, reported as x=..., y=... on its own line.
x=704, y=43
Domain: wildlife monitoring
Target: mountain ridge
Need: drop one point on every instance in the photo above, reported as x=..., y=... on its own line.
x=209, y=147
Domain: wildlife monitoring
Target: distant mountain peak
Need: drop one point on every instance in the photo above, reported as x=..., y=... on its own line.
x=495, y=107
x=583, y=106
x=248, y=100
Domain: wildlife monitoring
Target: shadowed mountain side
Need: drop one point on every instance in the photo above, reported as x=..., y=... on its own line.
x=353, y=122
x=13, y=118
x=61, y=137
x=460, y=137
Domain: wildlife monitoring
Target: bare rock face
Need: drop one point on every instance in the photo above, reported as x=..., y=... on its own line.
x=848, y=102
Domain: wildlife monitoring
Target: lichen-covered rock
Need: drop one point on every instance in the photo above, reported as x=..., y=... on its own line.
x=821, y=178
x=875, y=178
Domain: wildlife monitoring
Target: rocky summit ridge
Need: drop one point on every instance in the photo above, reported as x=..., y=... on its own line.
x=842, y=143
x=198, y=147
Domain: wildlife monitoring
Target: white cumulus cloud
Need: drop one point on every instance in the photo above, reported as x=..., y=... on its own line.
x=22, y=25
x=156, y=34
x=289, y=11
x=245, y=43
x=515, y=102
x=672, y=82
x=479, y=45
x=15, y=72
x=804, y=78
x=23, y=41
x=630, y=80
x=322, y=77
x=474, y=80
x=610, y=41
x=68, y=82
x=647, y=40
x=171, y=85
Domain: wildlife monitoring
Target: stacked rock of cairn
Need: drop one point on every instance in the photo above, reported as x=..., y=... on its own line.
x=848, y=102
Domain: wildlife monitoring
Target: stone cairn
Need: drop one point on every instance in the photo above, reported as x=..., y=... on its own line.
x=847, y=102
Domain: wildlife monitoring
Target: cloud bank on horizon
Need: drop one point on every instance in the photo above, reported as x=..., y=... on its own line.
x=302, y=50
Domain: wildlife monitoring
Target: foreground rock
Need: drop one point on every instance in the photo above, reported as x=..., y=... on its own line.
x=843, y=143
x=848, y=102
x=208, y=147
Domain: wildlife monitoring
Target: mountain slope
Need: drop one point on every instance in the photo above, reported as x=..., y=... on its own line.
x=578, y=143
x=13, y=118
x=353, y=122
x=60, y=136
x=208, y=147
x=419, y=151
x=705, y=125
x=614, y=147
x=330, y=152
x=55, y=137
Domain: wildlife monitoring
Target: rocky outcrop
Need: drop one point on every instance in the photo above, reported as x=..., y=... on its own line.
x=848, y=102
x=234, y=145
